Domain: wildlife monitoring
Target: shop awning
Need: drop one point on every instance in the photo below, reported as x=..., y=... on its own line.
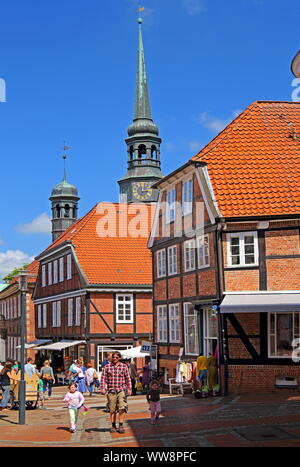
x=260, y=302
x=134, y=352
x=35, y=343
x=60, y=345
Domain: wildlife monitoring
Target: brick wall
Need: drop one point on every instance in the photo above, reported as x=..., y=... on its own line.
x=257, y=378
x=241, y=279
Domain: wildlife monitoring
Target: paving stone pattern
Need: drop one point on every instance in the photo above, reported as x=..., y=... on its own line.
x=248, y=420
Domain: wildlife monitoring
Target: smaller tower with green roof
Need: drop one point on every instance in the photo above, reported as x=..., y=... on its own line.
x=64, y=203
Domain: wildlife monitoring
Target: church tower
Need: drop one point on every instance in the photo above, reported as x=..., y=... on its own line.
x=143, y=142
x=64, y=203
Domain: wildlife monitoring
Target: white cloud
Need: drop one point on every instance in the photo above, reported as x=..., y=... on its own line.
x=41, y=224
x=216, y=124
x=194, y=146
x=12, y=259
x=194, y=7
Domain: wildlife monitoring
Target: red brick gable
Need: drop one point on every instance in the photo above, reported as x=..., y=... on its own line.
x=254, y=163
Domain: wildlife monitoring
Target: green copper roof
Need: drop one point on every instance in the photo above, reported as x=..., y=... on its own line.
x=142, y=122
x=64, y=189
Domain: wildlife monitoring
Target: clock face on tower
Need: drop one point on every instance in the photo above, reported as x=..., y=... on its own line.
x=142, y=191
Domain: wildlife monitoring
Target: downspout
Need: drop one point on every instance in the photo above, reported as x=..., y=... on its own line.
x=222, y=331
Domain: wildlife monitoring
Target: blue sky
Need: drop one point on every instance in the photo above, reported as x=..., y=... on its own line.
x=69, y=69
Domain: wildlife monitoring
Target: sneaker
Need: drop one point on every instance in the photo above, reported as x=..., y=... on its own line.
x=72, y=430
x=113, y=429
x=121, y=429
x=152, y=422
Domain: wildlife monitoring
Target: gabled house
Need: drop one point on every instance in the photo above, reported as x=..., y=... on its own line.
x=226, y=253
x=94, y=287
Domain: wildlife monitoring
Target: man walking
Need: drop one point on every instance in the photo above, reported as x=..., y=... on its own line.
x=29, y=367
x=115, y=381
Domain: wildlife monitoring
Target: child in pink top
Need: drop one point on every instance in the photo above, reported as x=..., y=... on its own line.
x=74, y=400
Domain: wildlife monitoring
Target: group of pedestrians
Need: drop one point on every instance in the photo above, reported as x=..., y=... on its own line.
x=118, y=380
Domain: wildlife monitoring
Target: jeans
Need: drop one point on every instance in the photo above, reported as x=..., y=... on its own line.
x=90, y=387
x=5, y=396
x=47, y=384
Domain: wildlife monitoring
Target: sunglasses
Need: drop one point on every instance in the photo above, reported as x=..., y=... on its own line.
x=116, y=357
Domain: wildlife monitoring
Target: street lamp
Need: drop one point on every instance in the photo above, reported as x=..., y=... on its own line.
x=22, y=280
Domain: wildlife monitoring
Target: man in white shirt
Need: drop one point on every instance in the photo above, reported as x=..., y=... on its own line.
x=29, y=367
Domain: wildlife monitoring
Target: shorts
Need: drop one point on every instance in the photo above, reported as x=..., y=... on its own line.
x=117, y=401
x=155, y=407
x=41, y=396
x=202, y=375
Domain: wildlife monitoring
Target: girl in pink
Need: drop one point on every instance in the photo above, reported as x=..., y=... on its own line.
x=153, y=398
x=74, y=400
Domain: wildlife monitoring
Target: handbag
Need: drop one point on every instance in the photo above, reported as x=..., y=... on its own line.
x=46, y=377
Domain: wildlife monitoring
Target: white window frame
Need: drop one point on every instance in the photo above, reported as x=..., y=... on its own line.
x=69, y=266
x=208, y=315
x=50, y=273
x=294, y=334
x=187, y=197
x=61, y=269
x=203, y=251
x=78, y=311
x=120, y=300
x=186, y=310
x=162, y=323
x=44, y=315
x=174, y=328
x=70, y=312
x=56, y=314
x=39, y=316
x=44, y=275
x=189, y=255
x=171, y=205
x=161, y=263
x=172, y=260
x=55, y=271
x=241, y=236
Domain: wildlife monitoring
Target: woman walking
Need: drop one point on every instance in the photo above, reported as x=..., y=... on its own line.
x=48, y=377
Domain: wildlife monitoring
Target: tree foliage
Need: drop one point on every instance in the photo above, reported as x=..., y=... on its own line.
x=7, y=279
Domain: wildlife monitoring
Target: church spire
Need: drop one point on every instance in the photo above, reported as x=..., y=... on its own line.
x=143, y=142
x=142, y=104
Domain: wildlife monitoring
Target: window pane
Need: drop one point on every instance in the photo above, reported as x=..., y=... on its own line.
x=235, y=260
x=249, y=259
x=249, y=239
x=284, y=334
x=235, y=241
x=235, y=250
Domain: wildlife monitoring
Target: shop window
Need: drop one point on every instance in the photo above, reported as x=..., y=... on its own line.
x=283, y=329
x=191, y=330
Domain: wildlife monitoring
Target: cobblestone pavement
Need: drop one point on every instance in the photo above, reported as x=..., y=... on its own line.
x=236, y=421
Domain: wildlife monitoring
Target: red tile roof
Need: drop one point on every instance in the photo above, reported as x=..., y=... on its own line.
x=121, y=257
x=254, y=163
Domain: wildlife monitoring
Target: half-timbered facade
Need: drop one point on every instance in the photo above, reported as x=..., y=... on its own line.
x=232, y=276
x=94, y=286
